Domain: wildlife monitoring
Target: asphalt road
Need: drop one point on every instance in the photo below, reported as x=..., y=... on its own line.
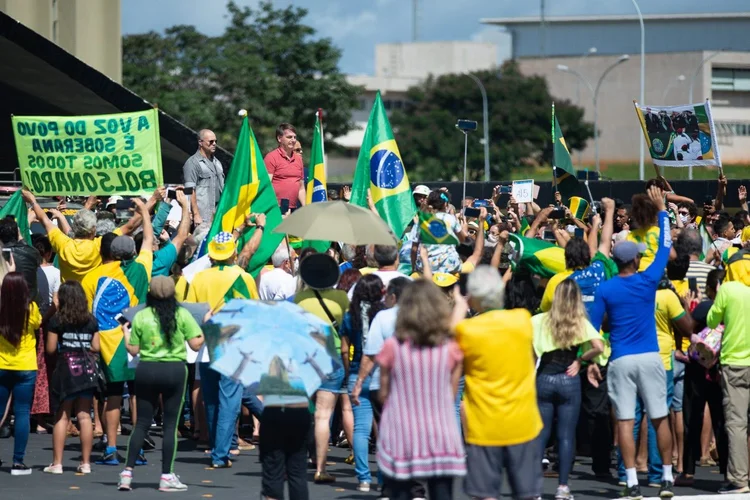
x=243, y=480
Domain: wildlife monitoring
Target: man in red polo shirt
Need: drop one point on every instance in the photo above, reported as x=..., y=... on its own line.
x=285, y=167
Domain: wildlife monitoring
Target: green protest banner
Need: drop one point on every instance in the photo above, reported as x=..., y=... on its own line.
x=83, y=155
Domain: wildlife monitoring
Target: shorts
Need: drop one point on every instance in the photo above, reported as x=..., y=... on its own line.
x=678, y=369
x=522, y=463
x=118, y=389
x=87, y=394
x=638, y=375
x=334, y=383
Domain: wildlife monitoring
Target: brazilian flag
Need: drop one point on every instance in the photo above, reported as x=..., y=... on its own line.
x=248, y=190
x=565, y=174
x=15, y=207
x=381, y=171
x=434, y=231
x=538, y=256
x=317, y=189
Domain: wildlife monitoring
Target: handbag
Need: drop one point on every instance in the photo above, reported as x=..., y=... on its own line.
x=77, y=371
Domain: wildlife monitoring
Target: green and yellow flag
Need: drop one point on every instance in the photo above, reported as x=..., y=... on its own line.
x=538, y=256
x=317, y=188
x=579, y=207
x=434, y=231
x=380, y=169
x=248, y=190
x=564, y=173
x=15, y=207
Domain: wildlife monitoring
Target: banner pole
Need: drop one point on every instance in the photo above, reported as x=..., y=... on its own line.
x=466, y=150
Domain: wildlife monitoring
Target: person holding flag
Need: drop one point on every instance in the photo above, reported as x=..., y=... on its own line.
x=563, y=172
x=440, y=232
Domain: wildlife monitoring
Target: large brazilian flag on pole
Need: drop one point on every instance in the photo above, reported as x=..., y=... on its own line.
x=380, y=169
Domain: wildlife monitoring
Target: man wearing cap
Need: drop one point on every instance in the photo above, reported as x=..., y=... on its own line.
x=222, y=396
x=204, y=172
x=81, y=254
x=110, y=288
x=635, y=367
x=420, y=194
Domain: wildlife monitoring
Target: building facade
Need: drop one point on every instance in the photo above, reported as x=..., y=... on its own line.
x=708, y=53
x=88, y=29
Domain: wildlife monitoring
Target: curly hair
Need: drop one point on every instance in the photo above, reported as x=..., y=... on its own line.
x=166, y=311
x=368, y=294
x=644, y=211
x=423, y=315
x=74, y=308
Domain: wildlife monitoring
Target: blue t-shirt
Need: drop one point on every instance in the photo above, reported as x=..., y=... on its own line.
x=589, y=278
x=630, y=303
x=164, y=259
x=355, y=339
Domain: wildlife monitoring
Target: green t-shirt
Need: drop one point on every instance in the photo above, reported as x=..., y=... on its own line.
x=146, y=333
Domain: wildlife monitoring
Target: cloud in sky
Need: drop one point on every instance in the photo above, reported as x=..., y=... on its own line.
x=357, y=26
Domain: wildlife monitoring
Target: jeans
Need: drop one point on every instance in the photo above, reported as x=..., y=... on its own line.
x=222, y=398
x=559, y=394
x=362, y=427
x=21, y=385
x=655, y=468
x=255, y=407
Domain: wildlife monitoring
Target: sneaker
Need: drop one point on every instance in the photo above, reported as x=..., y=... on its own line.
x=227, y=465
x=54, y=469
x=124, y=483
x=632, y=493
x=148, y=444
x=363, y=487
x=141, y=459
x=665, y=490
x=20, y=470
x=563, y=493
x=110, y=457
x=727, y=489
x=84, y=469
x=172, y=483
x=349, y=460
x=323, y=478
x=654, y=484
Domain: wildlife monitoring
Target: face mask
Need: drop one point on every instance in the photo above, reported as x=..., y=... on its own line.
x=684, y=218
x=492, y=237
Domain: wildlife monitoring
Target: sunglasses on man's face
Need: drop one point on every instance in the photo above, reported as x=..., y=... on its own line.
x=213, y=141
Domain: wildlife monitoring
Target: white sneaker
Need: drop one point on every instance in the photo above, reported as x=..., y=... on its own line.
x=172, y=483
x=84, y=468
x=363, y=487
x=54, y=469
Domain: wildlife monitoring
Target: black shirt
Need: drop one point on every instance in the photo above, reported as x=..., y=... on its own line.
x=71, y=337
x=700, y=313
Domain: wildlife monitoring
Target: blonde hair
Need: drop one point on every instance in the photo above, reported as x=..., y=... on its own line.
x=423, y=315
x=567, y=317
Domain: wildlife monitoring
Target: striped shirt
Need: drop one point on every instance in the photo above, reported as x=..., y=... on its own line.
x=419, y=435
x=699, y=270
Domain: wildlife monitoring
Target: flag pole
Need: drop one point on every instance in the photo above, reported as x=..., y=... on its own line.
x=323, y=144
x=554, y=167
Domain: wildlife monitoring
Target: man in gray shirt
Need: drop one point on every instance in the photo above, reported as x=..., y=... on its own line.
x=204, y=172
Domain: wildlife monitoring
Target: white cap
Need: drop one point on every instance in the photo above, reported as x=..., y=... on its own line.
x=422, y=189
x=112, y=200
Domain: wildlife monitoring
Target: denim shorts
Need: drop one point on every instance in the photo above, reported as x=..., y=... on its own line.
x=334, y=382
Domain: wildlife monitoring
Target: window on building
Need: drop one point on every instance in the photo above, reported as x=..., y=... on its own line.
x=730, y=79
x=388, y=104
x=737, y=129
x=362, y=104
x=398, y=104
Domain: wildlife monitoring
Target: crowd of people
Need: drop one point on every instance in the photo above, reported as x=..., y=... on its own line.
x=456, y=360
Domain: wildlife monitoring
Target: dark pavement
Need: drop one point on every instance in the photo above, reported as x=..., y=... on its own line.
x=243, y=480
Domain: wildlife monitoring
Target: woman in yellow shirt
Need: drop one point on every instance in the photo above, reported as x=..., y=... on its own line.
x=18, y=359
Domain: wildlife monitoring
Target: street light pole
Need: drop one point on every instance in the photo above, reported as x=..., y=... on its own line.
x=595, y=97
x=592, y=50
x=690, y=96
x=680, y=78
x=643, y=82
x=485, y=127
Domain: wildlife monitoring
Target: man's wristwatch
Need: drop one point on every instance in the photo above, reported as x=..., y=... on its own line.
x=261, y=227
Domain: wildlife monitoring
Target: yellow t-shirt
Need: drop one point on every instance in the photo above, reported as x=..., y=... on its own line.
x=682, y=287
x=668, y=309
x=650, y=237
x=549, y=290
x=335, y=300
x=500, y=395
x=23, y=357
x=77, y=257
x=211, y=285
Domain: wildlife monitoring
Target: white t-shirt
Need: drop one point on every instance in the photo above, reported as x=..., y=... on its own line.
x=383, y=327
x=53, y=279
x=385, y=276
x=276, y=284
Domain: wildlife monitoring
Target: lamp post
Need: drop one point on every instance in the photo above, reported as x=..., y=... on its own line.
x=690, y=96
x=680, y=78
x=595, y=97
x=592, y=50
x=643, y=83
x=485, y=127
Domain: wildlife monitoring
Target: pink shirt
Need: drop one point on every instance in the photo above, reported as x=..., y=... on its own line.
x=287, y=173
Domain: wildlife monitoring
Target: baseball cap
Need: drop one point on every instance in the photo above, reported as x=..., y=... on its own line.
x=162, y=287
x=422, y=189
x=626, y=251
x=123, y=248
x=112, y=200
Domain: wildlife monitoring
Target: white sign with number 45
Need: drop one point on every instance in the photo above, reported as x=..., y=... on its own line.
x=523, y=191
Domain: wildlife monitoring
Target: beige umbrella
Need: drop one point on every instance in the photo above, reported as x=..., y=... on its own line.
x=337, y=221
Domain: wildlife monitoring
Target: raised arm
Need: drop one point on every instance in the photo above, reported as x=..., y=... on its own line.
x=476, y=256
x=183, y=230
x=252, y=246
x=40, y=215
x=608, y=227
x=148, y=230
x=655, y=271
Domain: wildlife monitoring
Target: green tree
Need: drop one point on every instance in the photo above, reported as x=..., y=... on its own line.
x=267, y=61
x=519, y=109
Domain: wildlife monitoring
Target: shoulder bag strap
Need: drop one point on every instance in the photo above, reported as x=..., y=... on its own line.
x=334, y=323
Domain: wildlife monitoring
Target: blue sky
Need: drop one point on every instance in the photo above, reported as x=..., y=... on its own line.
x=356, y=26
